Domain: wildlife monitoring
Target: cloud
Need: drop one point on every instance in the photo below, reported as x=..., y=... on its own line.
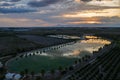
x=15, y=0
x=107, y=3
x=10, y=6
x=59, y=12
x=23, y=22
x=92, y=20
x=42, y=3
x=15, y=10
x=86, y=0
x=10, y=0
x=6, y=3
x=112, y=12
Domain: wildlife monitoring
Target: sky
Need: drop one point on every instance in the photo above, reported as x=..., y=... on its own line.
x=59, y=13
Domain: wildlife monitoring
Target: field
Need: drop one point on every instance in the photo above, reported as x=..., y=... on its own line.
x=42, y=40
x=11, y=45
x=33, y=50
x=36, y=63
x=52, y=59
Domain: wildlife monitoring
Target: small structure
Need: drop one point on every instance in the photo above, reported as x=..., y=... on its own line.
x=12, y=76
x=9, y=76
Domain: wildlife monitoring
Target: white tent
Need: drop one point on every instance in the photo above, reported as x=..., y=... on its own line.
x=17, y=77
x=9, y=75
x=13, y=76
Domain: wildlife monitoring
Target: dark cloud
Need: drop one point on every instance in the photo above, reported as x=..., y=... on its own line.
x=10, y=0
x=9, y=6
x=15, y=10
x=86, y=0
x=42, y=3
x=6, y=4
x=15, y=0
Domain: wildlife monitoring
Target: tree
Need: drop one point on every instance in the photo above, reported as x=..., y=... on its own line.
x=76, y=62
x=52, y=72
x=26, y=71
x=71, y=68
x=80, y=60
x=38, y=78
x=22, y=73
x=60, y=68
x=43, y=72
x=32, y=74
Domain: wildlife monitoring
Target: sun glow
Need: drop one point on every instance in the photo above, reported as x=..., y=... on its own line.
x=87, y=20
x=83, y=22
x=115, y=12
x=77, y=1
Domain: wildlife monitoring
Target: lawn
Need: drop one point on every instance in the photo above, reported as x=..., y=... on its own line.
x=37, y=62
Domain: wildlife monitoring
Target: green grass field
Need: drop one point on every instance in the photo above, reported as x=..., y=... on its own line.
x=36, y=63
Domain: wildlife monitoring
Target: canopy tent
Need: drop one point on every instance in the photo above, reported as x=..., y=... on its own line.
x=9, y=75
x=13, y=76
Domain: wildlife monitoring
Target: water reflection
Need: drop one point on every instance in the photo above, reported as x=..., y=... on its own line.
x=73, y=49
x=76, y=52
x=78, y=49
